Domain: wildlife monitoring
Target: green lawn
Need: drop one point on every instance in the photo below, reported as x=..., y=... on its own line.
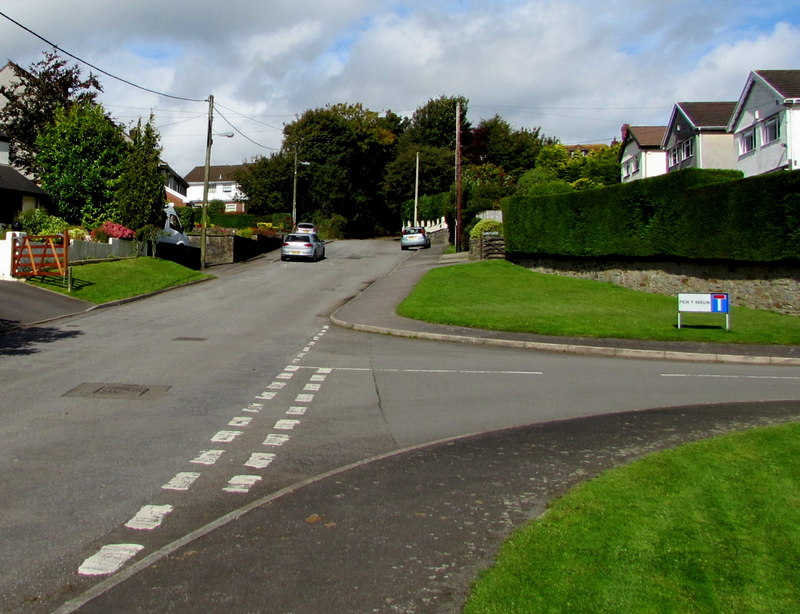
x=105, y=281
x=712, y=526
x=498, y=295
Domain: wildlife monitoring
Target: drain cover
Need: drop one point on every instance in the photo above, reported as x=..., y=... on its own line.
x=117, y=391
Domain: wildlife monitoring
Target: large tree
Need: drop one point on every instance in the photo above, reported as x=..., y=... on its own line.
x=32, y=102
x=79, y=156
x=434, y=124
x=139, y=194
x=494, y=141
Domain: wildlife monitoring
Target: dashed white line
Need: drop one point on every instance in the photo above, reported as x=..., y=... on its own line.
x=109, y=559
x=276, y=386
x=286, y=425
x=242, y=483
x=259, y=460
x=240, y=421
x=181, y=481
x=275, y=439
x=149, y=517
x=312, y=387
x=296, y=411
x=226, y=436
x=789, y=377
x=304, y=398
x=207, y=457
x=266, y=395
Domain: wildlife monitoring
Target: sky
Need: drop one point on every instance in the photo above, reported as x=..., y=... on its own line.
x=576, y=69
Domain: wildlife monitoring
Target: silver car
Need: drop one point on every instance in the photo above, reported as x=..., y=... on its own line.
x=414, y=236
x=305, y=246
x=306, y=228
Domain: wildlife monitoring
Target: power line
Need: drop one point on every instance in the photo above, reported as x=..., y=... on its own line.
x=100, y=70
x=227, y=121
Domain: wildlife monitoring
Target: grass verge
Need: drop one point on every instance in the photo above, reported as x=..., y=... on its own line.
x=105, y=281
x=712, y=526
x=498, y=295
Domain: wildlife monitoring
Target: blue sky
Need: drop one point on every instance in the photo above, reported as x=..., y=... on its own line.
x=578, y=69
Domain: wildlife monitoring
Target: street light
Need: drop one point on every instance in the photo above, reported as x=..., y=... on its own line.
x=209, y=141
x=294, y=189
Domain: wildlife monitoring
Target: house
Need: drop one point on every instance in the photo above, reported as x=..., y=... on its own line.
x=641, y=155
x=17, y=192
x=583, y=150
x=221, y=186
x=697, y=136
x=175, y=186
x=766, y=122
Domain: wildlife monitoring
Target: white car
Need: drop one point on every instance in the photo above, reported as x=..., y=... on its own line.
x=305, y=228
x=305, y=246
x=414, y=236
x=172, y=231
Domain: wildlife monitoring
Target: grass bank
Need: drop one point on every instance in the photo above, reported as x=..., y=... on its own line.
x=498, y=295
x=712, y=526
x=105, y=281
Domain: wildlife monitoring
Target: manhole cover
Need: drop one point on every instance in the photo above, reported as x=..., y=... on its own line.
x=117, y=391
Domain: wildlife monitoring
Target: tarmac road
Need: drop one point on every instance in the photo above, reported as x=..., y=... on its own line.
x=409, y=531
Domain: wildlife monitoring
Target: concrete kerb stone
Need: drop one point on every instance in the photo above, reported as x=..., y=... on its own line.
x=567, y=348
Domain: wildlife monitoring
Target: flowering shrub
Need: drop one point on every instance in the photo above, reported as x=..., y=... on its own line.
x=115, y=231
x=78, y=234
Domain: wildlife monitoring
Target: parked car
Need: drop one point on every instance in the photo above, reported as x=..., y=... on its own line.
x=306, y=246
x=172, y=228
x=414, y=236
x=305, y=228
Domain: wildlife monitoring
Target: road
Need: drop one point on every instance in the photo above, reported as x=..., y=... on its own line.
x=142, y=423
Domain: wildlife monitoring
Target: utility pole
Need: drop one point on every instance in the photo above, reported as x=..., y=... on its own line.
x=294, y=192
x=416, y=194
x=459, y=194
x=205, y=184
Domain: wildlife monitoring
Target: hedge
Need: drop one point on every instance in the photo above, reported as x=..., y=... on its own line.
x=693, y=213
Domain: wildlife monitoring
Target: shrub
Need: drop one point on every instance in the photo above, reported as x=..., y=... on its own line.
x=78, y=234
x=486, y=226
x=113, y=230
x=39, y=222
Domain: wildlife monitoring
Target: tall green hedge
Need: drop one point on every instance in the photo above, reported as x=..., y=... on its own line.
x=697, y=214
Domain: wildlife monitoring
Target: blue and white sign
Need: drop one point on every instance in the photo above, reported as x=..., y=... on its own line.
x=714, y=302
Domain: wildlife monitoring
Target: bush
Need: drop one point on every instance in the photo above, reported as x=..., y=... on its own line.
x=39, y=222
x=112, y=230
x=486, y=226
x=187, y=217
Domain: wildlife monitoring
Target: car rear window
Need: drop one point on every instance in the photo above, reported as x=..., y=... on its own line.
x=296, y=238
x=413, y=231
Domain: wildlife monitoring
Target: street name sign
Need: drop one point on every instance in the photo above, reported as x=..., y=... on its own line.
x=713, y=302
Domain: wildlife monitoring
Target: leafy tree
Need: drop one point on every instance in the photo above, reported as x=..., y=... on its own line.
x=46, y=86
x=267, y=182
x=539, y=182
x=436, y=174
x=434, y=124
x=79, y=157
x=140, y=196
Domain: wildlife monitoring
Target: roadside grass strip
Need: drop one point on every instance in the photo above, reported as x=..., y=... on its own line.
x=712, y=526
x=498, y=295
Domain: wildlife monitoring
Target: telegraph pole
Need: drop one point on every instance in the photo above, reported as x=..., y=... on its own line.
x=416, y=193
x=459, y=194
x=205, y=184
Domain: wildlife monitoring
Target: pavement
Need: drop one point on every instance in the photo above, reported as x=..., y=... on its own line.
x=409, y=531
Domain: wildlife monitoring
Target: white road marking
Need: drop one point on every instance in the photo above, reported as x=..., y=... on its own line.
x=286, y=425
x=242, y=483
x=274, y=439
x=109, y=559
x=296, y=411
x=312, y=387
x=292, y=368
x=267, y=396
x=240, y=421
x=276, y=386
x=149, y=517
x=259, y=460
x=318, y=378
x=181, y=481
x=304, y=398
x=327, y=370
x=207, y=457
x=324, y=370
x=307, y=349
x=285, y=375
x=789, y=377
x=226, y=436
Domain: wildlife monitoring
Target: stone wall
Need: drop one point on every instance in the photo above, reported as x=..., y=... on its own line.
x=770, y=287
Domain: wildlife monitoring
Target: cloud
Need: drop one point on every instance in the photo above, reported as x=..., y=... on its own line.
x=576, y=68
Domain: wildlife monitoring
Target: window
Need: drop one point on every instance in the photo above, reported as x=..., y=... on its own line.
x=747, y=142
x=687, y=149
x=771, y=130
x=682, y=151
x=227, y=189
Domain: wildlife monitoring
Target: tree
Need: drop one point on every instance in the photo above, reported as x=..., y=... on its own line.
x=33, y=101
x=267, y=182
x=436, y=174
x=79, y=157
x=434, y=124
x=139, y=196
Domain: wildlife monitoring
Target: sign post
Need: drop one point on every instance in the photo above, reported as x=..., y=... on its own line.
x=715, y=302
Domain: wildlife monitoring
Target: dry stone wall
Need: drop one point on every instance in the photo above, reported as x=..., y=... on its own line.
x=774, y=288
